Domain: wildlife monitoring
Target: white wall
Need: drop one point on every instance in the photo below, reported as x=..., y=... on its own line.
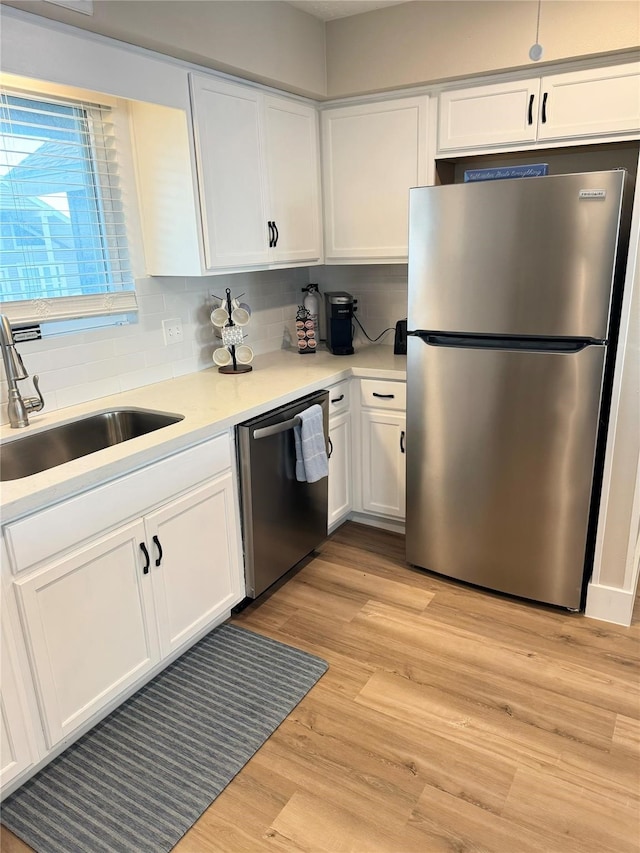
x=266, y=41
x=425, y=42
x=404, y=45
x=612, y=590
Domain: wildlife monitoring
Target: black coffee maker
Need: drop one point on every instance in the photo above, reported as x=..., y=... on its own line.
x=339, y=308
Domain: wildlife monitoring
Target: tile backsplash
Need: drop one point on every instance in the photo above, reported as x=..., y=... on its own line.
x=381, y=291
x=81, y=367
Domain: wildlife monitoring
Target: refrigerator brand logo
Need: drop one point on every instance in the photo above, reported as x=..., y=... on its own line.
x=592, y=194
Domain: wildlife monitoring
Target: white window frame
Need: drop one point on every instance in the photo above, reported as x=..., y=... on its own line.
x=42, y=310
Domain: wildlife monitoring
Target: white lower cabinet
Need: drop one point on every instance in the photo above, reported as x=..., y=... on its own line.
x=383, y=444
x=339, y=468
x=383, y=463
x=15, y=749
x=100, y=618
x=89, y=627
x=194, y=562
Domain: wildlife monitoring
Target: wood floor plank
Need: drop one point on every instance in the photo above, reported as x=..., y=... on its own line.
x=444, y=823
x=607, y=652
x=414, y=757
x=592, y=823
x=310, y=824
x=626, y=734
x=350, y=581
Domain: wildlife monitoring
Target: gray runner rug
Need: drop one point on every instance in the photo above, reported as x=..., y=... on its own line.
x=140, y=778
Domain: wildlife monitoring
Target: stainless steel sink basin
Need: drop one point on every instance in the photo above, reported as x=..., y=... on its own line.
x=40, y=451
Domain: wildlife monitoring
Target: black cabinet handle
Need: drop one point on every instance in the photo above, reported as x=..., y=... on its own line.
x=544, y=107
x=337, y=399
x=156, y=542
x=143, y=548
x=330, y=448
x=402, y=442
x=384, y=396
x=530, y=113
x=271, y=243
x=277, y=233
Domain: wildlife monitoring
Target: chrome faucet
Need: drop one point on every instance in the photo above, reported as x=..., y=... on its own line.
x=18, y=406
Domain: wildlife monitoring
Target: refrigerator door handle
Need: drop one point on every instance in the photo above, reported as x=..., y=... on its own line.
x=530, y=344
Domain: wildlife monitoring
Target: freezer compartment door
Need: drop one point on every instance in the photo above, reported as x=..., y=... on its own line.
x=528, y=256
x=500, y=460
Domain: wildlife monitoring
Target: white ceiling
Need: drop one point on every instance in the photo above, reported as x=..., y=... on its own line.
x=327, y=10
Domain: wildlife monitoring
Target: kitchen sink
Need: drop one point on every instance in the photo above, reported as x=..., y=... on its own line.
x=21, y=457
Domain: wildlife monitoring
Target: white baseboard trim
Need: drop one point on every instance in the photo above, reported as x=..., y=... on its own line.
x=610, y=604
x=377, y=521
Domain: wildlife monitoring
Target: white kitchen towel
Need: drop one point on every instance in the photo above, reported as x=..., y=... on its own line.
x=311, y=453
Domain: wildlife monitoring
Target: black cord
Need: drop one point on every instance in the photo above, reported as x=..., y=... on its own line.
x=373, y=340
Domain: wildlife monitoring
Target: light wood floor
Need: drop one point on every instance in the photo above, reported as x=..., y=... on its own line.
x=450, y=720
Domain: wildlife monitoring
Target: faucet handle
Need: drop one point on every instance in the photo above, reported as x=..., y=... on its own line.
x=35, y=404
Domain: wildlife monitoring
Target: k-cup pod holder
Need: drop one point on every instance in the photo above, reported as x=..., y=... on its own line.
x=229, y=319
x=305, y=331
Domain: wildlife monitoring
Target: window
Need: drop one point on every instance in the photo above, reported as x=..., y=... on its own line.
x=63, y=246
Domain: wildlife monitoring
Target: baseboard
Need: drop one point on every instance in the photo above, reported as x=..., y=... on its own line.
x=377, y=521
x=610, y=604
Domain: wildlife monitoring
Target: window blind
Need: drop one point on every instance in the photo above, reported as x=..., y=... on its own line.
x=63, y=240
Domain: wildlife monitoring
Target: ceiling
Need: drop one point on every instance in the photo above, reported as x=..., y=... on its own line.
x=328, y=10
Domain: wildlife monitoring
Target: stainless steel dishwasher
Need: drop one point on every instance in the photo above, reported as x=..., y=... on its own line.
x=283, y=520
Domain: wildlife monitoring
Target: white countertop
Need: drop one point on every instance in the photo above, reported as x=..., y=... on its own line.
x=210, y=403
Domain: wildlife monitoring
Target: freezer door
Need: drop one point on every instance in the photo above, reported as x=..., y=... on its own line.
x=527, y=256
x=500, y=458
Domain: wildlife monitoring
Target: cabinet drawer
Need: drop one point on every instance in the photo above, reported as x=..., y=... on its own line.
x=61, y=527
x=383, y=394
x=339, y=398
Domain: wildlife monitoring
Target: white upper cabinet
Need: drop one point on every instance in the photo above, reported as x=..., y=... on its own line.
x=372, y=154
x=597, y=102
x=257, y=164
x=488, y=115
x=600, y=101
x=230, y=173
x=293, y=173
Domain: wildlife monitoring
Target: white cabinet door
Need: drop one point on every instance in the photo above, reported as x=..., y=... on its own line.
x=577, y=104
x=89, y=626
x=15, y=750
x=229, y=150
x=194, y=561
x=372, y=155
x=488, y=115
x=340, y=476
x=293, y=172
x=258, y=175
x=597, y=102
x=383, y=463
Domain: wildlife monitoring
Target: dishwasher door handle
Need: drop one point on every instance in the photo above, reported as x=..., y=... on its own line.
x=274, y=429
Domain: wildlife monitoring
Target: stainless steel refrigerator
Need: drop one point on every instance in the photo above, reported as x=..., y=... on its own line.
x=514, y=293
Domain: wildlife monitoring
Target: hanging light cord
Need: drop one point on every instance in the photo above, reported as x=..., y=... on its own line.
x=538, y=23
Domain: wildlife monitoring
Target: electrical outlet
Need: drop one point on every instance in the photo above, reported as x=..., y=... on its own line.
x=172, y=330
